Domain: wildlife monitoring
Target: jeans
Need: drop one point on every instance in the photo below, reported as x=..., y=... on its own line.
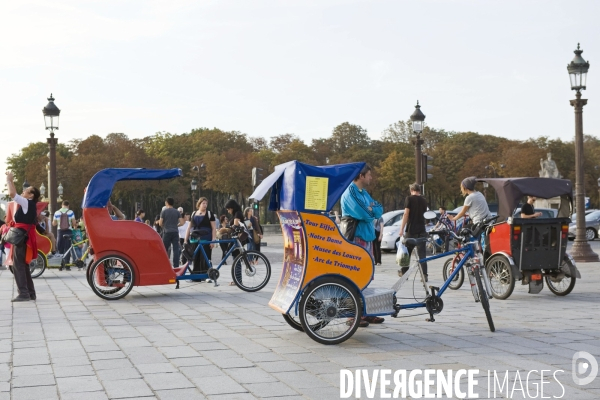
x=421, y=251
x=171, y=239
x=63, y=243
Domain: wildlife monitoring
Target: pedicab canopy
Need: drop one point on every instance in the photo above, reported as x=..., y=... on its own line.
x=101, y=185
x=306, y=188
x=512, y=190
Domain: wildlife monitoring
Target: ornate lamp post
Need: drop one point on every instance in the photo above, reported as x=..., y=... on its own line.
x=418, y=122
x=578, y=69
x=193, y=185
x=60, y=193
x=43, y=190
x=51, y=114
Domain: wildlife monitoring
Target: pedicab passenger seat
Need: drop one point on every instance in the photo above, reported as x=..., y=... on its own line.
x=137, y=242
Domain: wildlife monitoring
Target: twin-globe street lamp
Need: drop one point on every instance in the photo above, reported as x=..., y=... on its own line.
x=194, y=183
x=51, y=115
x=578, y=69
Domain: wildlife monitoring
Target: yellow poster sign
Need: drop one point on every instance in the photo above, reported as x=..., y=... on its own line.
x=316, y=193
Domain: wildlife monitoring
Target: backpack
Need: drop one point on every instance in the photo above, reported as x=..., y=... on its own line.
x=64, y=221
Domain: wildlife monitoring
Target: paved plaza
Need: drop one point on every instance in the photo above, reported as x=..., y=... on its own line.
x=206, y=342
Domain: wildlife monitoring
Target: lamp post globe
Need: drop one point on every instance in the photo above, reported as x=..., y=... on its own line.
x=418, y=123
x=25, y=184
x=42, y=189
x=578, y=69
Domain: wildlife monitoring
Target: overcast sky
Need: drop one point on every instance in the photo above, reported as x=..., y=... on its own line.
x=266, y=68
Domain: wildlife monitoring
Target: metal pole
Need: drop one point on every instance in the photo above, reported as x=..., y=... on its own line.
x=581, y=251
x=52, y=185
x=418, y=159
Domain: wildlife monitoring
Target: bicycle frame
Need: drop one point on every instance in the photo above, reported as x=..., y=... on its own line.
x=73, y=254
x=200, y=248
x=469, y=251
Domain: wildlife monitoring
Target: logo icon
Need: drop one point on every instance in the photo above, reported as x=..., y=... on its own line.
x=584, y=364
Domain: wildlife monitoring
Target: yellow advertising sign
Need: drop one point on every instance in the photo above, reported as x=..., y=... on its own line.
x=316, y=193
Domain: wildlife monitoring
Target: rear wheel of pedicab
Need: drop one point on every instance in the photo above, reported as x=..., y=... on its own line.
x=448, y=269
x=559, y=282
x=38, y=266
x=330, y=310
x=483, y=298
x=501, y=277
x=251, y=271
x=111, y=277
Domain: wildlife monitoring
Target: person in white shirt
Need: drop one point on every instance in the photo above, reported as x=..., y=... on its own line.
x=182, y=230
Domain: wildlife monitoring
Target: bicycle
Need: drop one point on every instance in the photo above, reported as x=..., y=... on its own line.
x=470, y=256
x=78, y=262
x=250, y=270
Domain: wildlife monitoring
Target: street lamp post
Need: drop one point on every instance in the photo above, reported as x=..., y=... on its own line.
x=43, y=190
x=418, y=121
x=51, y=114
x=578, y=69
x=194, y=186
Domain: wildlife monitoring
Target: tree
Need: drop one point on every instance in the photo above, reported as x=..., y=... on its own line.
x=346, y=135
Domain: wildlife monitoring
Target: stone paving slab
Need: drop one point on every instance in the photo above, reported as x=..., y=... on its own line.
x=202, y=342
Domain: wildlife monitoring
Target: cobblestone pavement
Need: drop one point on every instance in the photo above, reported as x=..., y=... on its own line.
x=221, y=343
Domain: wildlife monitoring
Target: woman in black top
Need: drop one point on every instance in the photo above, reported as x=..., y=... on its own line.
x=237, y=219
x=25, y=218
x=202, y=227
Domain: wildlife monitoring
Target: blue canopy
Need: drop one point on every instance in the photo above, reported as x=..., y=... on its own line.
x=101, y=185
x=289, y=186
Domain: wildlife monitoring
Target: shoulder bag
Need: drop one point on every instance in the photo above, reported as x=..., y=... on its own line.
x=15, y=236
x=348, y=226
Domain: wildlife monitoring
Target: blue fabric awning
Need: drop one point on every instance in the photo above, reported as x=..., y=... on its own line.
x=288, y=184
x=101, y=185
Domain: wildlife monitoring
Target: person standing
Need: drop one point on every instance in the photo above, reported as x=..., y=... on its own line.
x=64, y=219
x=139, y=216
x=254, y=230
x=201, y=228
x=223, y=222
x=414, y=222
x=527, y=211
x=378, y=225
x=170, y=220
x=358, y=204
x=25, y=218
x=182, y=230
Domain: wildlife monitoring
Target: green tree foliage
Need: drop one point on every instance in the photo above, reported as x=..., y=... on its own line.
x=229, y=156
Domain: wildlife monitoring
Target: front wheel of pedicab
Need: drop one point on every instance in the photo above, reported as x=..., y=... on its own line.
x=502, y=280
x=330, y=310
x=38, y=266
x=111, y=277
x=560, y=282
x=251, y=271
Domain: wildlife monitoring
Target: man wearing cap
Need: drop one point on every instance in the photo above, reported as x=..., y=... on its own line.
x=475, y=203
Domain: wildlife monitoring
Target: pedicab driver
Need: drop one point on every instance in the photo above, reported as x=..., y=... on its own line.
x=475, y=203
x=527, y=211
x=358, y=204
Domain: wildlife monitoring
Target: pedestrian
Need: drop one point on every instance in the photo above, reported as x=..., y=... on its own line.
x=139, y=216
x=254, y=229
x=444, y=226
x=201, y=228
x=358, y=204
x=170, y=220
x=182, y=230
x=413, y=220
x=475, y=203
x=157, y=226
x=223, y=223
x=378, y=225
x=23, y=253
x=236, y=220
x=64, y=219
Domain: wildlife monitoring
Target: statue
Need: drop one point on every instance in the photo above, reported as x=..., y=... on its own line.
x=549, y=169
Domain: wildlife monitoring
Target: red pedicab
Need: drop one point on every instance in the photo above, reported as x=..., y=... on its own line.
x=128, y=253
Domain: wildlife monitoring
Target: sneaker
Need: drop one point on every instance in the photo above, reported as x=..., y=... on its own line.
x=19, y=298
x=60, y=268
x=68, y=268
x=362, y=324
x=402, y=271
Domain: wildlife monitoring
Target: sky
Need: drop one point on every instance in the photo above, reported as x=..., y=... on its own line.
x=266, y=68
